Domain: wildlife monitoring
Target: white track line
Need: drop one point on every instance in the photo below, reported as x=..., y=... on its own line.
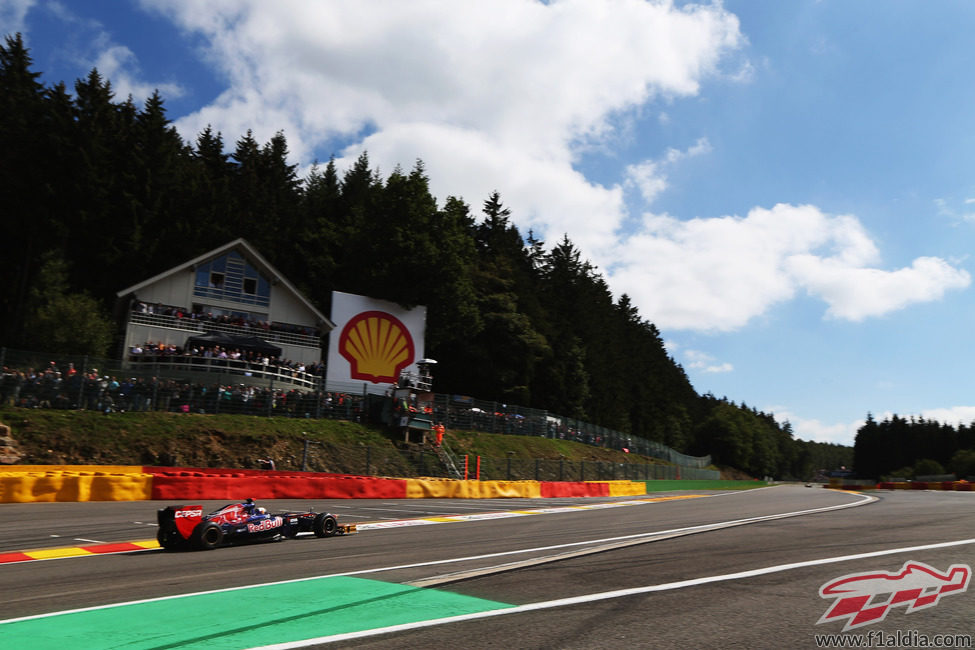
x=606, y=595
x=863, y=500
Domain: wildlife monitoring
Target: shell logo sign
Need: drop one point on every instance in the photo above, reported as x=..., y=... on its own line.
x=373, y=343
x=377, y=346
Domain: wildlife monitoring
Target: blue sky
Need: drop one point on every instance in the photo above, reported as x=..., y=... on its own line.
x=786, y=189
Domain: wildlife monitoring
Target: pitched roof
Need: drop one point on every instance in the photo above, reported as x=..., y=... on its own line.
x=252, y=256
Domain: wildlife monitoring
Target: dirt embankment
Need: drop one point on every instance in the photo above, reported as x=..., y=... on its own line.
x=52, y=437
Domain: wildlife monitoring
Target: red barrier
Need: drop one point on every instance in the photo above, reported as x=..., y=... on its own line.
x=552, y=489
x=354, y=487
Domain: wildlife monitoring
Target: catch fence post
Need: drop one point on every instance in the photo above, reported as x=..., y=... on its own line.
x=81, y=387
x=270, y=401
x=319, y=397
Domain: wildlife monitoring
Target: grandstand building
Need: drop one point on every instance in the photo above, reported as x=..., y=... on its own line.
x=226, y=310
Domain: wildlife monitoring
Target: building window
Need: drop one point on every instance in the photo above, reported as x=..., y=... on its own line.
x=232, y=278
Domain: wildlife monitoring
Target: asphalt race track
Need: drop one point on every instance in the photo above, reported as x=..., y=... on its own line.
x=707, y=570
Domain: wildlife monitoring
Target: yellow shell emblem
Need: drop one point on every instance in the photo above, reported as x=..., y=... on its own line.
x=377, y=346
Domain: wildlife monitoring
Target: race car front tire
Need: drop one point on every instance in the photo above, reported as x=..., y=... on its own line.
x=207, y=536
x=325, y=525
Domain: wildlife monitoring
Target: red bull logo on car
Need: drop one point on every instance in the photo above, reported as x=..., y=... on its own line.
x=267, y=524
x=865, y=598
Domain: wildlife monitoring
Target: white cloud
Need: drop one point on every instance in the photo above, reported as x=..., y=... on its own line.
x=502, y=95
x=649, y=177
x=717, y=274
x=507, y=95
x=840, y=433
x=811, y=429
x=957, y=215
x=954, y=415
x=855, y=293
x=118, y=64
x=844, y=433
x=93, y=46
x=535, y=188
x=697, y=360
x=12, y=15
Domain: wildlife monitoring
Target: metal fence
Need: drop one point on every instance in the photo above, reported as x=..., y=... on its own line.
x=415, y=461
x=466, y=413
x=41, y=380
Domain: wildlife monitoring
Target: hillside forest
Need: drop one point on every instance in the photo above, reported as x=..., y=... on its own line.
x=909, y=448
x=99, y=194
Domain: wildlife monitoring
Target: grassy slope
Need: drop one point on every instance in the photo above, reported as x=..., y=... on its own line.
x=189, y=440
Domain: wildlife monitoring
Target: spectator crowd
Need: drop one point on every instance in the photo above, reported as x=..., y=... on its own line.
x=65, y=386
x=243, y=360
x=237, y=320
x=55, y=387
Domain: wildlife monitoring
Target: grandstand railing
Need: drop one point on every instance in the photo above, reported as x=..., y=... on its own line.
x=196, y=326
x=202, y=385
x=233, y=368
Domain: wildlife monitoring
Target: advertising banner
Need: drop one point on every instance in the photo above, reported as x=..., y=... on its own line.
x=372, y=343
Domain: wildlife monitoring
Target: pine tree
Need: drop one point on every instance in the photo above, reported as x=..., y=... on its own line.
x=22, y=234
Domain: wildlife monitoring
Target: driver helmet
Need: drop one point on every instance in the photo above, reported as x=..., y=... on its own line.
x=261, y=511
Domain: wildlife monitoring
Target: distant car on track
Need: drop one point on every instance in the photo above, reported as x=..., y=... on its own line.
x=186, y=527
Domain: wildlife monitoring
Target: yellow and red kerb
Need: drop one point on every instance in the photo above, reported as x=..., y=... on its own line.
x=76, y=551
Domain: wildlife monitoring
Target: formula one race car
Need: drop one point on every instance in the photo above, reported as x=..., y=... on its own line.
x=237, y=523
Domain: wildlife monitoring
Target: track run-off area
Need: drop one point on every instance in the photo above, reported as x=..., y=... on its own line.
x=680, y=569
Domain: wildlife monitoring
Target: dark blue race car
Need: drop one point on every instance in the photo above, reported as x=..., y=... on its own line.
x=182, y=527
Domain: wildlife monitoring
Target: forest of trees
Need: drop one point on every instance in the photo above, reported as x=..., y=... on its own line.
x=99, y=194
x=910, y=447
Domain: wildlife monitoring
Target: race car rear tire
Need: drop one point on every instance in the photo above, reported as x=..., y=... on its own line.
x=325, y=525
x=169, y=536
x=207, y=536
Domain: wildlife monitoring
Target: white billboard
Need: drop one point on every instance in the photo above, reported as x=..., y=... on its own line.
x=373, y=342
